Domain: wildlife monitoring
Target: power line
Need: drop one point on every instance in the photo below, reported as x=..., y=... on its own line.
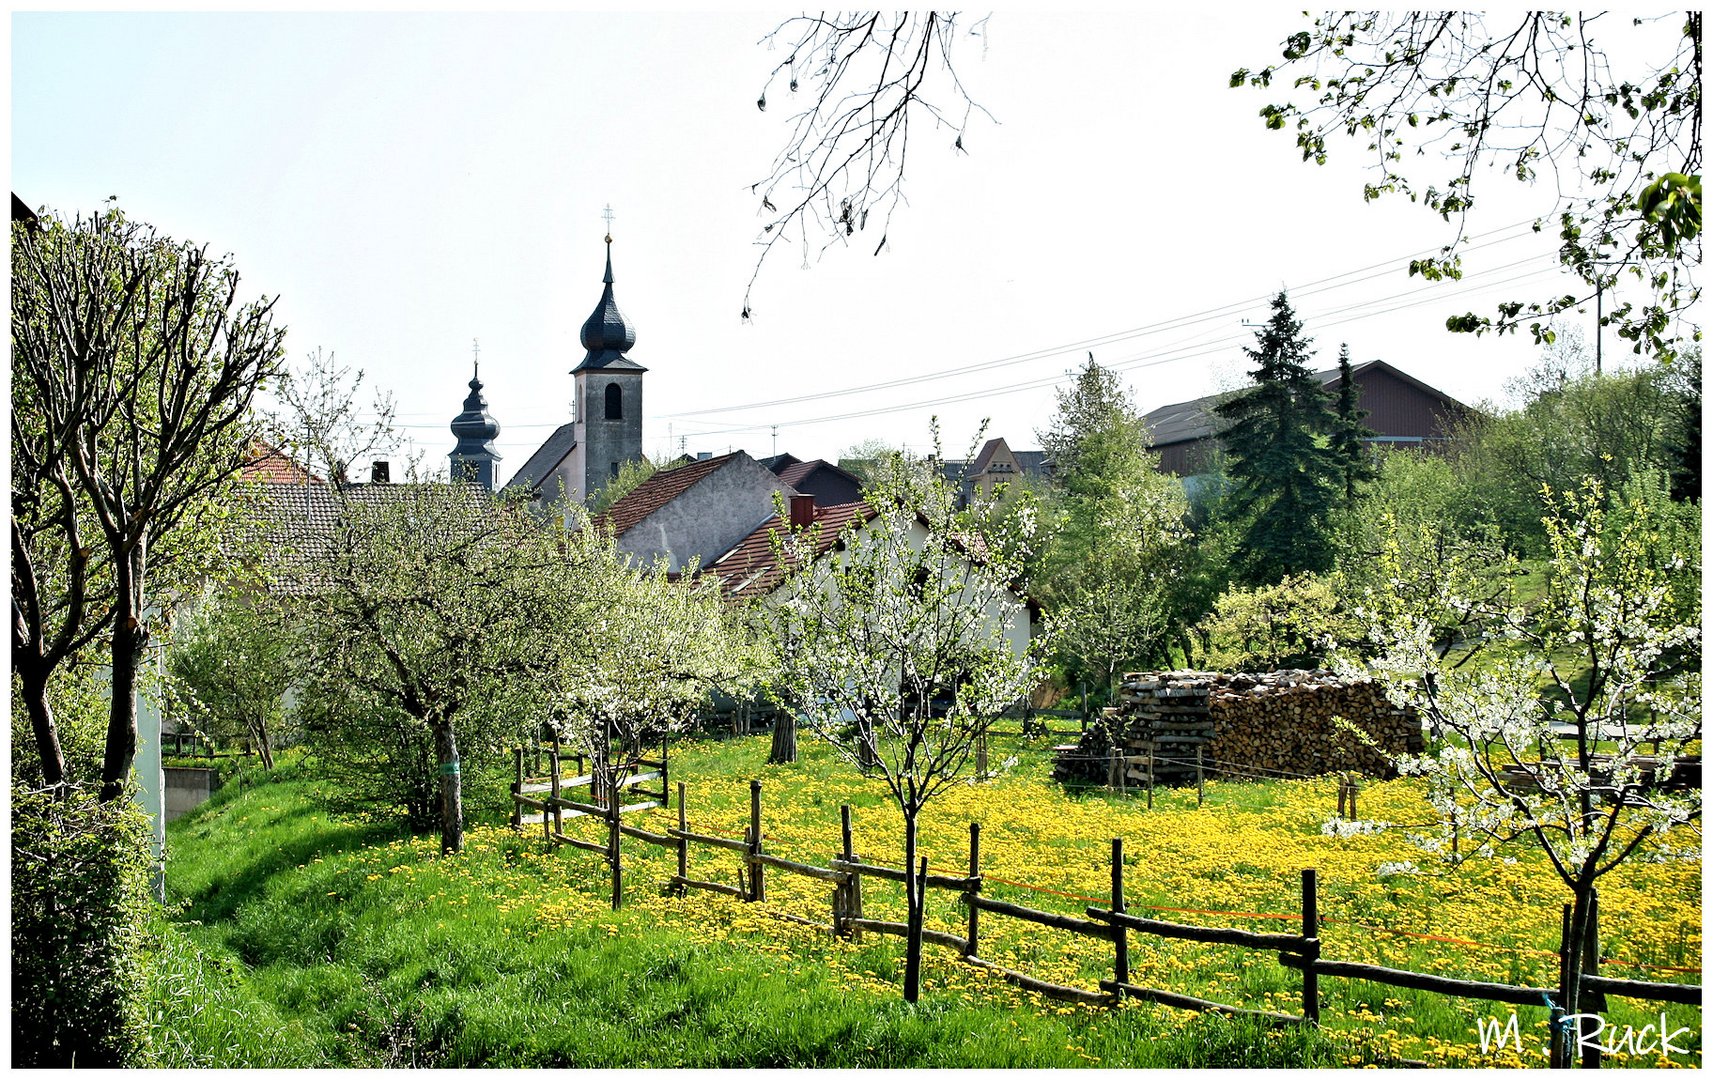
x=1155, y=359
x=1335, y=281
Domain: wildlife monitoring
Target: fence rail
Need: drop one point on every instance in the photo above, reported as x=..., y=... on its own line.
x=1300, y=951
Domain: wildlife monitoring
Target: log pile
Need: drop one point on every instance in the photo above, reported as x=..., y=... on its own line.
x=1245, y=726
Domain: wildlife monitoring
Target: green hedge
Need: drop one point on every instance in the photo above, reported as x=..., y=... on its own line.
x=80, y=910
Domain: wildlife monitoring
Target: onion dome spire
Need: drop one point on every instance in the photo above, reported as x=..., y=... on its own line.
x=607, y=334
x=474, y=456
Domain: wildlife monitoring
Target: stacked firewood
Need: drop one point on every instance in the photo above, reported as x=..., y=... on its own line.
x=1173, y=726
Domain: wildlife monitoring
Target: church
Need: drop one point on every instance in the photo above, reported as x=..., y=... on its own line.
x=577, y=460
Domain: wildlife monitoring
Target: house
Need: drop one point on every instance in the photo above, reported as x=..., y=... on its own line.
x=268, y=464
x=694, y=511
x=755, y=569
x=995, y=464
x=1402, y=411
x=575, y=462
x=293, y=528
x=829, y=484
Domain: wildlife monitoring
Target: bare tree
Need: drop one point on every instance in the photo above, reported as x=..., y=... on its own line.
x=322, y=416
x=61, y=586
x=135, y=352
x=864, y=76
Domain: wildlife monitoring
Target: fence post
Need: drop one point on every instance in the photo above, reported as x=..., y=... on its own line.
x=1150, y=777
x=517, y=790
x=975, y=886
x=1343, y=783
x=1558, y=1050
x=1120, y=936
x=554, y=811
x=1311, y=950
x=853, y=887
x=613, y=848
x=1198, y=774
x=683, y=845
x=757, y=886
x=1354, y=788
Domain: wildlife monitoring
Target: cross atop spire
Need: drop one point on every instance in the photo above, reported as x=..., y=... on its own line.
x=476, y=352
x=607, y=216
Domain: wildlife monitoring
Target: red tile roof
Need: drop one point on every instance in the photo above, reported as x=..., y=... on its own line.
x=654, y=493
x=750, y=569
x=269, y=465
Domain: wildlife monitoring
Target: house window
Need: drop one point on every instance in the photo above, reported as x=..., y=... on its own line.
x=615, y=470
x=615, y=402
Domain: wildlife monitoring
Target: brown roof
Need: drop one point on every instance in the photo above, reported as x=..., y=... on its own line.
x=268, y=464
x=654, y=493
x=751, y=568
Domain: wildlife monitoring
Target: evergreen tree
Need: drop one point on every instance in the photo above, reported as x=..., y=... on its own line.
x=1284, y=474
x=1349, y=433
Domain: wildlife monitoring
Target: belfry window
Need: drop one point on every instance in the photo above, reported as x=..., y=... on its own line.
x=615, y=402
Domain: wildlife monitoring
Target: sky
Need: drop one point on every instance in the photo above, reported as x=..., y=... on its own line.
x=410, y=185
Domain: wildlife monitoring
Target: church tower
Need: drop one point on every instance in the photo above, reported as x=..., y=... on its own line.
x=608, y=410
x=474, y=457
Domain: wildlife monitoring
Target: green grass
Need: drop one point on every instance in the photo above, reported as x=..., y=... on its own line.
x=300, y=938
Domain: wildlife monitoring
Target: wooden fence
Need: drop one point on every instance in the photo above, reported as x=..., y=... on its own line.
x=553, y=808
x=1113, y=923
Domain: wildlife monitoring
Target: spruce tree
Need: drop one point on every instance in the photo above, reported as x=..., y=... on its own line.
x=1349, y=433
x=1284, y=474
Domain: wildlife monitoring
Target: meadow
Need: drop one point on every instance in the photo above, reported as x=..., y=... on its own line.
x=295, y=937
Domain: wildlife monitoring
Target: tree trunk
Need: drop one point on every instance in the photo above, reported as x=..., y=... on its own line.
x=1573, y=967
x=34, y=688
x=130, y=640
x=451, y=790
x=913, y=889
x=784, y=750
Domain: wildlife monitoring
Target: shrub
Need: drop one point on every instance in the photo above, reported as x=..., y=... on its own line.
x=80, y=907
x=1293, y=624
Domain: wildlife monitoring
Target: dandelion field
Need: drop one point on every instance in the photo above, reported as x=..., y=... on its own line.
x=301, y=939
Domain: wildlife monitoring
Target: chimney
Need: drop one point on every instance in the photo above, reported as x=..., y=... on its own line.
x=802, y=511
x=704, y=455
x=379, y=472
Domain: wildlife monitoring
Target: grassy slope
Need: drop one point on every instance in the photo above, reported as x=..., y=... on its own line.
x=306, y=940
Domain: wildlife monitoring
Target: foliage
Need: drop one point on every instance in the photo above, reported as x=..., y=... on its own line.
x=1619, y=140
x=76, y=696
x=1415, y=541
x=225, y=665
x=423, y=637
x=631, y=475
x=1610, y=427
x=1109, y=575
x=866, y=75
x=898, y=647
x=1293, y=624
x=866, y=460
x=133, y=358
x=1285, y=480
x=80, y=904
x=655, y=645
x=1610, y=654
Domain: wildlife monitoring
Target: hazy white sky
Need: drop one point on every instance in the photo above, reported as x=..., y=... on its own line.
x=409, y=183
